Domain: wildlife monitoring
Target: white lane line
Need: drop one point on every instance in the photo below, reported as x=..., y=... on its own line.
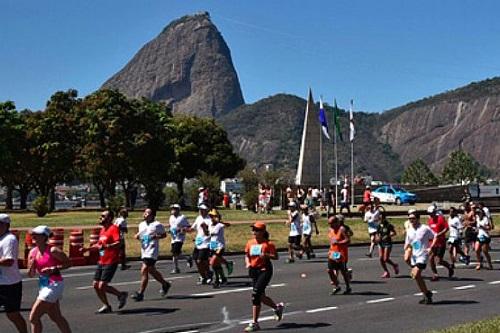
x=421, y=294
x=238, y=290
x=380, y=300
x=267, y=318
x=494, y=282
x=367, y=259
x=469, y=286
x=129, y=282
x=171, y=328
x=328, y=308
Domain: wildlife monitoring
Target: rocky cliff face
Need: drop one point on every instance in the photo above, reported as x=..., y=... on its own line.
x=430, y=129
x=188, y=65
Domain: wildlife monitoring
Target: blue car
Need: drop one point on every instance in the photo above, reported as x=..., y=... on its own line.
x=394, y=195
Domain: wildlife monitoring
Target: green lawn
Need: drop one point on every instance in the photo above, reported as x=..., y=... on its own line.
x=482, y=326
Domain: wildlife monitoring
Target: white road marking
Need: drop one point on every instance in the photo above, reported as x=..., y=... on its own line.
x=380, y=300
x=328, y=308
x=469, y=286
x=169, y=328
x=129, y=282
x=267, y=318
x=421, y=294
x=228, y=291
x=494, y=282
x=367, y=259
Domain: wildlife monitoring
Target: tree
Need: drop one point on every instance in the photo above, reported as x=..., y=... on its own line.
x=418, y=173
x=53, y=141
x=461, y=168
x=202, y=145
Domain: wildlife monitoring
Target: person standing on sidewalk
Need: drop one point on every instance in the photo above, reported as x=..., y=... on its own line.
x=149, y=234
x=259, y=251
x=48, y=262
x=121, y=223
x=109, y=257
x=11, y=285
x=418, y=238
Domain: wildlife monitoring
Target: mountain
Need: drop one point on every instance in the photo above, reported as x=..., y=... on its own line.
x=188, y=65
x=430, y=129
x=270, y=131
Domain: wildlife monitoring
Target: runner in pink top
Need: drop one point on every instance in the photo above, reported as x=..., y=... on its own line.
x=47, y=262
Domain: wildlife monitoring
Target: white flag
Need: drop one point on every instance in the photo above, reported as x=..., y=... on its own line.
x=352, y=131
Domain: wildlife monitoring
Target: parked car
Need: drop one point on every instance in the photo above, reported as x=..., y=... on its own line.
x=394, y=195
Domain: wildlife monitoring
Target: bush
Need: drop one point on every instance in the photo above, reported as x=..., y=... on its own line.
x=250, y=199
x=115, y=203
x=40, y=206
x=171, y=196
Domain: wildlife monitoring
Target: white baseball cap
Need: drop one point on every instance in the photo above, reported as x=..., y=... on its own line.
x=4, y=218
x=203, y=206
x=41, y=230
x=431, y=209
x=176, y=206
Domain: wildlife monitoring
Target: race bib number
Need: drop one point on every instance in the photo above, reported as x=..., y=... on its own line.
x=198, y=240
x=451, y=240
x=307, y=228
x=213, y=245
x=43, y=281
x=101, y=252
x=335, y=255
x=256, y=250
x=293, y=227
x=416, y=245
x=173, y=231
x=146, y=239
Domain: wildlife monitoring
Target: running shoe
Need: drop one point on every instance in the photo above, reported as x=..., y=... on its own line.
x=189, y=262
x=104, y=309
x=252, y=327
x=478, y=267
x=335, y=291
x=467, y=260
x=434, y=278
x=210, y=277
x=313, y=255
x=175, y=271
x=308, y=255
x=299, y=255
x=451, y=272
x=349, y=273
x=122, y=299
x=230, y=267
x=369, y=255
x=165, y=288
x=278, y=312
x=216, y=284
x=348, y=291
x=396, y=269
x=138, y=297
x=386, y=275
x=223, y=280
x=427, y=298
x=290, y=261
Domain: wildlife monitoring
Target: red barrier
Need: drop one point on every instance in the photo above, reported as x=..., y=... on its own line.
x=21, y=263
x=93, y=256
x=75, y=246
x=57, y=238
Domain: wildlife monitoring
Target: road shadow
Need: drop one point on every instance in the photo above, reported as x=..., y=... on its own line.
x=459, y=302
x=239, y=277
x=186, y=297
x=148, y=311
x=465, y=279
x=237, y=284
x=369, y=293
x=401, y=277
x=367, y=282
x=295, y=326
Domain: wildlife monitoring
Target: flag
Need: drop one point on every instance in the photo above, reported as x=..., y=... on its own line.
x=336, y=120
x=322, y=119
x=352, y=131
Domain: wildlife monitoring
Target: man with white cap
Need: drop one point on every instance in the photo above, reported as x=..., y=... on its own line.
x=178, y=226
x=11, y=289
x=344, y=200
x=201, y=252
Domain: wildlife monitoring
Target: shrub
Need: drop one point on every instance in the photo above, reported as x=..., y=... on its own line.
x=40, y=206
x=115, y=203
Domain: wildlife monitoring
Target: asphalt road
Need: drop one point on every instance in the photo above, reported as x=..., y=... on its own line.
x=376, y=305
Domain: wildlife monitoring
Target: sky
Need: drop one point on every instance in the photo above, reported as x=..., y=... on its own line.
x=382, y=54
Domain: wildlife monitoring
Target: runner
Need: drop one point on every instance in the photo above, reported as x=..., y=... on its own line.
x=201, y=252
x=439, y=226
x=294, y=236
x=308, y=221
x=178, y=226
x=470, y=230
x=11, y=285
x=149, y=234
x=48, y=262
x=367, y=199
x=418, y=238
x=385, y=232
x=487, y=213
x=338, y=255
x=349, y=233
x=407, y=225
x=372, y=218
x=109, y=257
x=217, y=246
x=121, y=223
x=454, y=238
x=483, y=238
x=259, y=251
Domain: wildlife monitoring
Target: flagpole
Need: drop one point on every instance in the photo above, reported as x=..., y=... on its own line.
x=320, y=155
x=335, y=154
x=351, y=137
